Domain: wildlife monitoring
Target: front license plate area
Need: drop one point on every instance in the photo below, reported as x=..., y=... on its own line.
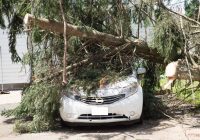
x=99, y=110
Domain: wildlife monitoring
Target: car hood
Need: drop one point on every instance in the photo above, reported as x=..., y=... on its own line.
x=119, y=87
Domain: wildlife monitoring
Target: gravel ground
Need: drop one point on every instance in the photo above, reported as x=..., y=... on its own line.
x=166, y=129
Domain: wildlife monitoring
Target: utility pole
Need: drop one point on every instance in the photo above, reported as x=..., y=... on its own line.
x=1, y=71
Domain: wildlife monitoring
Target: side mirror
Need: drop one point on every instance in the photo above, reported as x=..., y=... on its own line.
x=141, y=71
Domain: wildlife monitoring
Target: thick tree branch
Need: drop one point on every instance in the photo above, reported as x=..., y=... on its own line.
x=72, y=30
x=140, y=46
x=65, y=43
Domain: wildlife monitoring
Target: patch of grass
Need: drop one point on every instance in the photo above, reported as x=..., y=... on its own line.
x=183, y=90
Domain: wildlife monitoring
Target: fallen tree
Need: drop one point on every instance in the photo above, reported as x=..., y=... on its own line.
x=139, y=46
x=91, y=55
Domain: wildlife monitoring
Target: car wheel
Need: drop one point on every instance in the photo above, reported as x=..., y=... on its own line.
x=62, y=123
x=140, y=119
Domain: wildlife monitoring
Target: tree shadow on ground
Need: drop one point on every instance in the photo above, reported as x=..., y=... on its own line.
x=108, y=132
x=10, y=120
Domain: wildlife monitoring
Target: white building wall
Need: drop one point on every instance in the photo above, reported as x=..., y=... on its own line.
x=176, y=5
x=144, y=34
x=12, y=73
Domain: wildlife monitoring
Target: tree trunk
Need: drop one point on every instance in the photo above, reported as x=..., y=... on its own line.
x=141, y=48
x=182, y=73
x=180, y=70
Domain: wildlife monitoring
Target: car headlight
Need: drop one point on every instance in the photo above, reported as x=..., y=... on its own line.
x=130, y=89
x=70, y=95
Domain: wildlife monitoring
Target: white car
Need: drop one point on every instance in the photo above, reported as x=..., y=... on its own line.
x=117, y=102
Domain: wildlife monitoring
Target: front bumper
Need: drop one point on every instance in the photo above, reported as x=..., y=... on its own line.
x=127, y=109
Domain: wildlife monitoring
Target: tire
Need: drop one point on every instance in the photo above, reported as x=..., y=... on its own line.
x=140, y=121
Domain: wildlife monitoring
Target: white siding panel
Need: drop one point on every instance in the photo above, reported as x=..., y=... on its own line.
x=148, y=35
x=12, y=73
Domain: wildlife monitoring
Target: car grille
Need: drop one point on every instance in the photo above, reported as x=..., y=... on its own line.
x=101, y=117
x=100, y=100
